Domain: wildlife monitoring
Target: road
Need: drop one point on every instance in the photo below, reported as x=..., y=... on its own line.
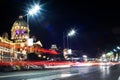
x=75, y=73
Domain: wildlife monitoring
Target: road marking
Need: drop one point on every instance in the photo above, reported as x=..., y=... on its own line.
x=15, y=75
x=46, y=72
x=23, y=74
x=53, y=77
x=26, y=74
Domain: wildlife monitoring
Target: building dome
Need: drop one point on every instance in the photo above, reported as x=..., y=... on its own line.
x=20, y=30
x=20, y=22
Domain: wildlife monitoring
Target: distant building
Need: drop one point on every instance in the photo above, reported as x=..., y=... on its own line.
x=54, y=47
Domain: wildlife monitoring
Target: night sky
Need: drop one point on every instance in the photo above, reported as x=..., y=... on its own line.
x=97, y=23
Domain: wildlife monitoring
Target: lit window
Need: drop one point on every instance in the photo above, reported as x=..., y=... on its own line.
x=21, y=27
x=17, y=32
x=22, y=32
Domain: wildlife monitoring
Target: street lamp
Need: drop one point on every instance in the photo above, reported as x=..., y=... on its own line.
x=118, y=47
x=70, y=34
x=114, y=50
x=34, y=10
x=67, y=51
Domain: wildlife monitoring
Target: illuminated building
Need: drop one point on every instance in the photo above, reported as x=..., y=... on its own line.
x=20, y=31
x=20, y=44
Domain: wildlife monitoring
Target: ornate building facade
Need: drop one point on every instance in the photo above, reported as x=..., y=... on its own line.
x=17, y=47
x=20, y=31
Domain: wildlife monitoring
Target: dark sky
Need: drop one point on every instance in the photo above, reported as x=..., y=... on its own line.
x=97, y=23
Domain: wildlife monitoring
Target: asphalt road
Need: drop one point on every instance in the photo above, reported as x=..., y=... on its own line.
x=75, y=73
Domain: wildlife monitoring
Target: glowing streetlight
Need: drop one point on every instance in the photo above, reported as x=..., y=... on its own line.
x=70, y=34
x=114, y=50
x=34, y=10
x=118, y=47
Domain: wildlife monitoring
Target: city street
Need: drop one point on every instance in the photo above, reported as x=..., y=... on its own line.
x=59, y=40
x=75, y=73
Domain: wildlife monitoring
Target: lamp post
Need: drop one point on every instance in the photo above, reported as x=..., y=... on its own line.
x=70, y=34
x=67, y=51
x=31, y=12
